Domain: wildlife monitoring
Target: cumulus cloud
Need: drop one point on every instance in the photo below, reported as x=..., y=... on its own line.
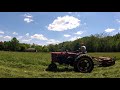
x=52, y=41
x=64, y=23
x=74, y=38
x=28, y=18
x=7, y=37
x=109, y=30
x=15, y=33
x=1, y=32
x=27, y=34
x=79, y=32
x=67, y=35
x=39, y=36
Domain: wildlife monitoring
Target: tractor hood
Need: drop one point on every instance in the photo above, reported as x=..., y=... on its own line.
x=57, y=56
x=62, y=53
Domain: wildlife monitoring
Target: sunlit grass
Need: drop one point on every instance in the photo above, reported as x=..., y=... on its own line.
x=33, y=65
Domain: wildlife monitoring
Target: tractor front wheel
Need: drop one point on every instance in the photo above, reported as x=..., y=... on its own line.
x=52, y=67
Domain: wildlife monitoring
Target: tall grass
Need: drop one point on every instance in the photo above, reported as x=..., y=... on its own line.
x=33, y=65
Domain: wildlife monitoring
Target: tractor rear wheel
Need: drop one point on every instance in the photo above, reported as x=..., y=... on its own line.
x=84, y=64
x=52, y=67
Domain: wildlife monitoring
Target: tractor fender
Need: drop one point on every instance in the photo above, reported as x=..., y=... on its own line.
x=83, y=55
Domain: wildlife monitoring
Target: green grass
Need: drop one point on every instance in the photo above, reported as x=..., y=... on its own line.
x=33, y=65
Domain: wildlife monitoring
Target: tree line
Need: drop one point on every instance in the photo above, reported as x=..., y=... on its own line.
x=94, y=43
x=14, y=45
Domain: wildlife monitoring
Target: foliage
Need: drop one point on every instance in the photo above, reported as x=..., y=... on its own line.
x=94, y=43
x=14, y=43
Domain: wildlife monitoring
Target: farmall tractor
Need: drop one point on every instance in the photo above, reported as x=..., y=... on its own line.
x=81, y=62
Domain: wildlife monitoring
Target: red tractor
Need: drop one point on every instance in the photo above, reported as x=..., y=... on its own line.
x=81, y=62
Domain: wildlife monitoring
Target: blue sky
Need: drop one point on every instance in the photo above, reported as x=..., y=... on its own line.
x=45, y=28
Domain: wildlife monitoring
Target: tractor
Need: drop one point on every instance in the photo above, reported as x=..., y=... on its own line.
x=81, y=62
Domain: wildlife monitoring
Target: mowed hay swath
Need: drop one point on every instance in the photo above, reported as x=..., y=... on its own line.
x=33, y=65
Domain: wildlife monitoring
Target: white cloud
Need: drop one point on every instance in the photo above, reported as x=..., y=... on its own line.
x=74, y=38
x=52, y=41
x=26, y=40
x=15, y=33
x=67, y=35
x=1, y=32
x=7, y=37
x=27, y=34
x=28, y=15
x=28, y=18
x=64, y=23
x=69, y=12
x=39, y=36
x=118, y=20
x=79, y=32
x=109, y=30
x=19, y=37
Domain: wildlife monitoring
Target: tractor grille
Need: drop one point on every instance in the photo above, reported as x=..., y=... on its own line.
x=54, y=57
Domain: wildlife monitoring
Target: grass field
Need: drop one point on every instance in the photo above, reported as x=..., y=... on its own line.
x=33, y=65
